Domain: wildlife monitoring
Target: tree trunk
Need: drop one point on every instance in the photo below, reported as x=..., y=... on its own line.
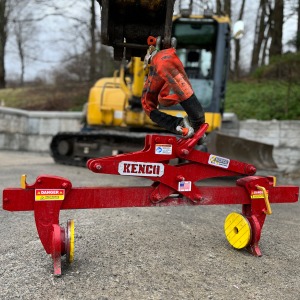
x=20, y=41
x=219, y=7
x=92, y=75
x=227, y=7
x=268, y=31
x=238, y=47
x=22, y=60
x=298, y=29
x=265, y=46
x=277, y=20
x=259, y=34
x=3, y=38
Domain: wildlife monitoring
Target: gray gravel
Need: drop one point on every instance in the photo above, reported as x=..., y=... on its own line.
x=144, y=253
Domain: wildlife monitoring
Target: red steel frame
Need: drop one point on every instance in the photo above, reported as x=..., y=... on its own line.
x=166, y=189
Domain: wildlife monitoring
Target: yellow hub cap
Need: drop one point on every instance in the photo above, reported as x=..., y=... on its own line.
x=237, y=230
x=71, y=238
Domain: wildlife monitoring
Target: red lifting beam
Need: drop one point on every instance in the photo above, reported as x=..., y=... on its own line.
x=173, y=185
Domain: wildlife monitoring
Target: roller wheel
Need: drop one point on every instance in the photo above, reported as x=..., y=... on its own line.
x=70, y=239
x=57, y=238
x=237, y=230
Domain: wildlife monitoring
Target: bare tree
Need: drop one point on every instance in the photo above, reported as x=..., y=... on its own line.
x=219, y=7
x=23, y=34
x=260, y=35
x=4, y=12
x=224, y=7
x=93, y=28
x=277, y=26
x=293, y=8
x=10, y=25
x=20, y=40
x=227, y=7
x=76, y=66
x=237, y=45
x=298, y=28
x=19, y=20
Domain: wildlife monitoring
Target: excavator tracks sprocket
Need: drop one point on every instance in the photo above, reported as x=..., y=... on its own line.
x=76, y=148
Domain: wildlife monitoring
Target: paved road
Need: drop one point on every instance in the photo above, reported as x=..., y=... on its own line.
x=144, y=253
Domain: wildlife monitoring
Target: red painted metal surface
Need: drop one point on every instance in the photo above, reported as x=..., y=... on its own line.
x=120, y=197
x=172, y=185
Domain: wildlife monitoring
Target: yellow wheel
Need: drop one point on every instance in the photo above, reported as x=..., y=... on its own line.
x=237, y=230
x=70, y=241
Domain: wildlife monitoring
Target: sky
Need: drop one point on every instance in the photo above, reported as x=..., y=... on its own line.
x=55, y=36
x=51, y=40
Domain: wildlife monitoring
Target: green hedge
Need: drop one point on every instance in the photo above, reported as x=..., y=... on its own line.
x=271, y=92
x=264, y=100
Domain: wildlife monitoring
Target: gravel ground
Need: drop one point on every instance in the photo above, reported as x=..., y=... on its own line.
x=144, y=253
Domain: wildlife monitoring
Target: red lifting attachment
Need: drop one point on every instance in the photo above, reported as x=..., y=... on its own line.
x=173, y=185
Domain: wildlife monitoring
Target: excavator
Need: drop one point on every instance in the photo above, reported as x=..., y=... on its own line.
x=114, y=119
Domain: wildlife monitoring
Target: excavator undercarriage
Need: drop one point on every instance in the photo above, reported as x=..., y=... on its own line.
x=76, y=148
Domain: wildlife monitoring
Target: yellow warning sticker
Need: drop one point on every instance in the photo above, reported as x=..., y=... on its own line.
x=49, y=194
x=257, y=194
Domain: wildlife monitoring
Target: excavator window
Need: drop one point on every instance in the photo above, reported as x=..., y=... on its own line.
x=202, y=47
x=195, y=32
x=198, y=66
x=196, y=43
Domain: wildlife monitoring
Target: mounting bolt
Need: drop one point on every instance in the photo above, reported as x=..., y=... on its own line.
x=180, y=178
x=198, y=197
x=170, y=141
x=98, y=167
x=157, y=139
x=65, y=185
x=156, y=197
x=39, y=181
x=5, y=200
x=184, y=151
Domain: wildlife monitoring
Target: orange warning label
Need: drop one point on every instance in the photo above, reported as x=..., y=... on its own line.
x=49, y=194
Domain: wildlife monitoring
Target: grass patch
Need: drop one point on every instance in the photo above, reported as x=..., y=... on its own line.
x=51, y=98
x=263, y=100
x=251, y=99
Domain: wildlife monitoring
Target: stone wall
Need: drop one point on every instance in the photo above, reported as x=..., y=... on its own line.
x=33, y=131
x=283, y=135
